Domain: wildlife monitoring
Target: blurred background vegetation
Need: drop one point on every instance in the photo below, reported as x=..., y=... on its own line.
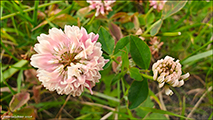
x=22, y=21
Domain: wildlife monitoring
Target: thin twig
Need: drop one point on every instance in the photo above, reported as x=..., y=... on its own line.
x=198, y=103
x=99, y=105
x=163, y=107
x=67, y=113
x=197, y=77
x=2, y=53
x=116, y=115
x=106, y=116
x=48, y=113
x=68, y=97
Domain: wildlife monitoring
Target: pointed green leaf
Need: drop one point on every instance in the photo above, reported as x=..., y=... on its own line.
x=135, y=74
x=171, y=7
x=156, y=27
x=106, y=40
x=19, y=79
x=121, y=44
x=138, y=93
x=140, y=52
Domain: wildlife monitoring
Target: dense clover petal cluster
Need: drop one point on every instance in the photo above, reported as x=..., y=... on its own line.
x=157, y=4
x=101, y=7
x=68, y=61
x=155, y=46
x=168, y=71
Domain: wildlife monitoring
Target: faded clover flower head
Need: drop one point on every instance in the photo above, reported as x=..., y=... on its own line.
x=157, y=4
x=168, y=71
x=101, y=7
x=155, y=46
x=68, y=61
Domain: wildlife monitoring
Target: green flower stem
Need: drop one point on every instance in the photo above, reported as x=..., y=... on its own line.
x=120, y=8
x=163, y=34
x=147, y=76
x=93, y=17
x=126, y=99
x=123, y=86
x=170, y=34
x=146, y=35
x=145, y=71
x=183, y=107
x=118, y=93
x=150, y=27
x=150, y=10
x=30, y=9
x=113, y=58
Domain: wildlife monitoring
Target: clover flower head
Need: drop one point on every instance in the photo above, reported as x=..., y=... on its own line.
x=155, y=46
x=157, y=4
x=68, y=61
x=168, y=71
x=101, y=7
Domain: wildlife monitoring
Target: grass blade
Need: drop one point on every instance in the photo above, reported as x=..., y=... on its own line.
x=199, y=49
x=48, y=20
x=162, y=112
x=12, y=91
x=30, y=9
x=19, y=79
x=35, y=11
x=7, y=36
x=198, y=56
x=9, y=72
x=1, y=9
x=21, y=12
x=210, y=117
x=14, y=24
x=184, y=107
x=5, y=48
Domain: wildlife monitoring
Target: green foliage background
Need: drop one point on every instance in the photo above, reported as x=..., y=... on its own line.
x=22, y=21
